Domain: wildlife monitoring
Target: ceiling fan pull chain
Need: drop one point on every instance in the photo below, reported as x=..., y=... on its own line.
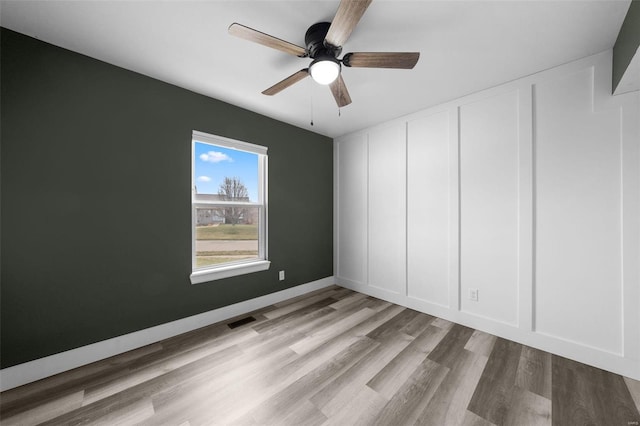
x=311, y=99
x=339, y=96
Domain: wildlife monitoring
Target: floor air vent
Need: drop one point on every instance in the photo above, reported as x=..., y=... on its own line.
x=242, y=321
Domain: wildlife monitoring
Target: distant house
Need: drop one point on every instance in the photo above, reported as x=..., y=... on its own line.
x=215, y=216
x=209, y=216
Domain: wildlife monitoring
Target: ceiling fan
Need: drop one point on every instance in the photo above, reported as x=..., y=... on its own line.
x=324, y=42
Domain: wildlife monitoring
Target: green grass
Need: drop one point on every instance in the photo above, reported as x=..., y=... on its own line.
x=227, y=232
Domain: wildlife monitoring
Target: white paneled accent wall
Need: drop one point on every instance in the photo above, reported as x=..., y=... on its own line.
x=385, y=210
x=578, y=211
x=428, y=208
x=526, y=195
x=351, y=208
x=489, y=206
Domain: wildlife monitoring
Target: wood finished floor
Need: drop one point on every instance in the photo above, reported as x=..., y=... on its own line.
x=333, y=357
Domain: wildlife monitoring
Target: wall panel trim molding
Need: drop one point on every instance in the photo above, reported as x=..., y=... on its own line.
x=456, y=288
x=41, y=368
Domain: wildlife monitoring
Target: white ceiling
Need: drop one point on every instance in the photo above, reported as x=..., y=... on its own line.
x=465, y=46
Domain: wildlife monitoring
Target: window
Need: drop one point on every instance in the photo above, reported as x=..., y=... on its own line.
x=229, y=208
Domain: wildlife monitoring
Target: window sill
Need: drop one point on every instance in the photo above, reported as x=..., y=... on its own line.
x=204, y=276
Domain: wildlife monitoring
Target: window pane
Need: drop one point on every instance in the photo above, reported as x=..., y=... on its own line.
x=226, y=234
x=224, y=174
x=229, y=213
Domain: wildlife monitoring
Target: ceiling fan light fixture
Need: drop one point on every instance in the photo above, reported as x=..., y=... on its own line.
x=324, y=70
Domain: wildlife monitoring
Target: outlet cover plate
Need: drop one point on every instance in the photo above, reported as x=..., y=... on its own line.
x=473, y=294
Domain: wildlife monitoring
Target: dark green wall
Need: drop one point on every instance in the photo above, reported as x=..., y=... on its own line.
x=627, y=42
x=95, y=181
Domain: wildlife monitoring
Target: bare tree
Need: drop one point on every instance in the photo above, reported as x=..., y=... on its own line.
x=232, y=189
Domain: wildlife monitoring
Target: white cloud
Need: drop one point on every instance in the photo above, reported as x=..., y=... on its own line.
x=203, y=179
x=215, y=157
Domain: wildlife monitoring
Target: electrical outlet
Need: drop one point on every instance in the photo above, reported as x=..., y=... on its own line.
x=281, y=275
x=473, y=294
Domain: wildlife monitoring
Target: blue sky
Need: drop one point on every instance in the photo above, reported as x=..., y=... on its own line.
x=213, y=163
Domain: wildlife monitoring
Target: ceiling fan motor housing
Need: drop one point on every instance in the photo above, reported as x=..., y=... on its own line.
x=314, y=41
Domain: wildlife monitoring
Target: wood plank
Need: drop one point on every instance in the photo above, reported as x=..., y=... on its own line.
x=306, y=363
x=451, y=345
x=156, y=369
x=442, y=323
x=43, y=391
x=305, y=322
x=399, y=369
x=314, y=310
x=224, y=390
x=534, y=371
x=360, y=410
x=304, y=414
x=223, y=393
x=132, y=414
x=376, y=304
x=582, y=394
x=321, y=336
x=417, y=325
x=180, y=377
x=472, y=419
x=332, y=397
x=481, y=343
x=634, y=390
x=410, y=401
x=394, y=325
x=53, y=408
x=346, y=301
x=282, y=403
x=377, y=320
x=528, y=408
x=325, y=317
x=492, y=396
x=234, y=402
x=448, y=405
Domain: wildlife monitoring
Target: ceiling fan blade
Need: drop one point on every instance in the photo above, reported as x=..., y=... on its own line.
x=289, y=81
x=256, y=36
x=404, y=60
x=340, y=92
x=347, y=17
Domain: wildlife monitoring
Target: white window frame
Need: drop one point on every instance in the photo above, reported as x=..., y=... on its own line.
x=246, y=266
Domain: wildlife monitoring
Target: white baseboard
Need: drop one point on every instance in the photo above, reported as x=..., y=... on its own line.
x=31, y=371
